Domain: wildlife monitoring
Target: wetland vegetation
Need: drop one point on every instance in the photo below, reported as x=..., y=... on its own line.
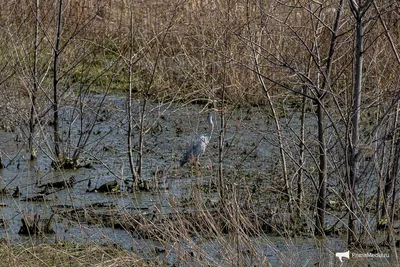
x=101, y=98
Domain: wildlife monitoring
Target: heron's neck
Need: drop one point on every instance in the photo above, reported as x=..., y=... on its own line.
x=210, y=131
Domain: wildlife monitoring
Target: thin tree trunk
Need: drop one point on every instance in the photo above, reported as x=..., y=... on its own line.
x=322, y=172
x=396, y=156
x=282, y=153
x=221, y=146
x=392, y=169
x=33, y=111
x=379, y=169
x=225, y=81
x=130, y=126
x=379, y=191
x=358, y=12
x=141, y=138
x=56, y=134
x=287, y=188
x=301, y=156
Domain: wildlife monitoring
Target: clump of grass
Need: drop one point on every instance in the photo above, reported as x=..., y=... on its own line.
x=69, y=254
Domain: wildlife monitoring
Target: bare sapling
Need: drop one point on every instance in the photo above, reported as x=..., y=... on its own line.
x=56, y=51
x=35, y=78
x=132, y=166
x=358, y=10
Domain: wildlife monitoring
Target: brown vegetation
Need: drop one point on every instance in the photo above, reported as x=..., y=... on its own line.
x=333, y=62
x=68, y=254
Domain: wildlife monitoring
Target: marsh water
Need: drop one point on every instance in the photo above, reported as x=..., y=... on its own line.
x=251, y=155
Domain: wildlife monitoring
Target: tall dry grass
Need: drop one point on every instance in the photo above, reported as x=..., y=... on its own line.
x=202, y=47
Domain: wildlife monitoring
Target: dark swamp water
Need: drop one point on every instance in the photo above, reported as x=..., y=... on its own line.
x=251, y=157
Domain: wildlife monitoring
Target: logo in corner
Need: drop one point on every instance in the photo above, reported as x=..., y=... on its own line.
x=342, y=255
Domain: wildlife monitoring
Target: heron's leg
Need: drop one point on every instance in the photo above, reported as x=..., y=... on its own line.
x=198, y=161
x=192, y=158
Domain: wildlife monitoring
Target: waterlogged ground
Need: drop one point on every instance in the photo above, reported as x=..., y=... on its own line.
x=251, y=159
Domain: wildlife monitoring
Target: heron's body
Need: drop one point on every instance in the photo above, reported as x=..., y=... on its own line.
x=195, y=150
x=199, y=146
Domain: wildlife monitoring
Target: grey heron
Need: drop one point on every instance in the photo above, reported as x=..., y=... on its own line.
x=198, y=147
